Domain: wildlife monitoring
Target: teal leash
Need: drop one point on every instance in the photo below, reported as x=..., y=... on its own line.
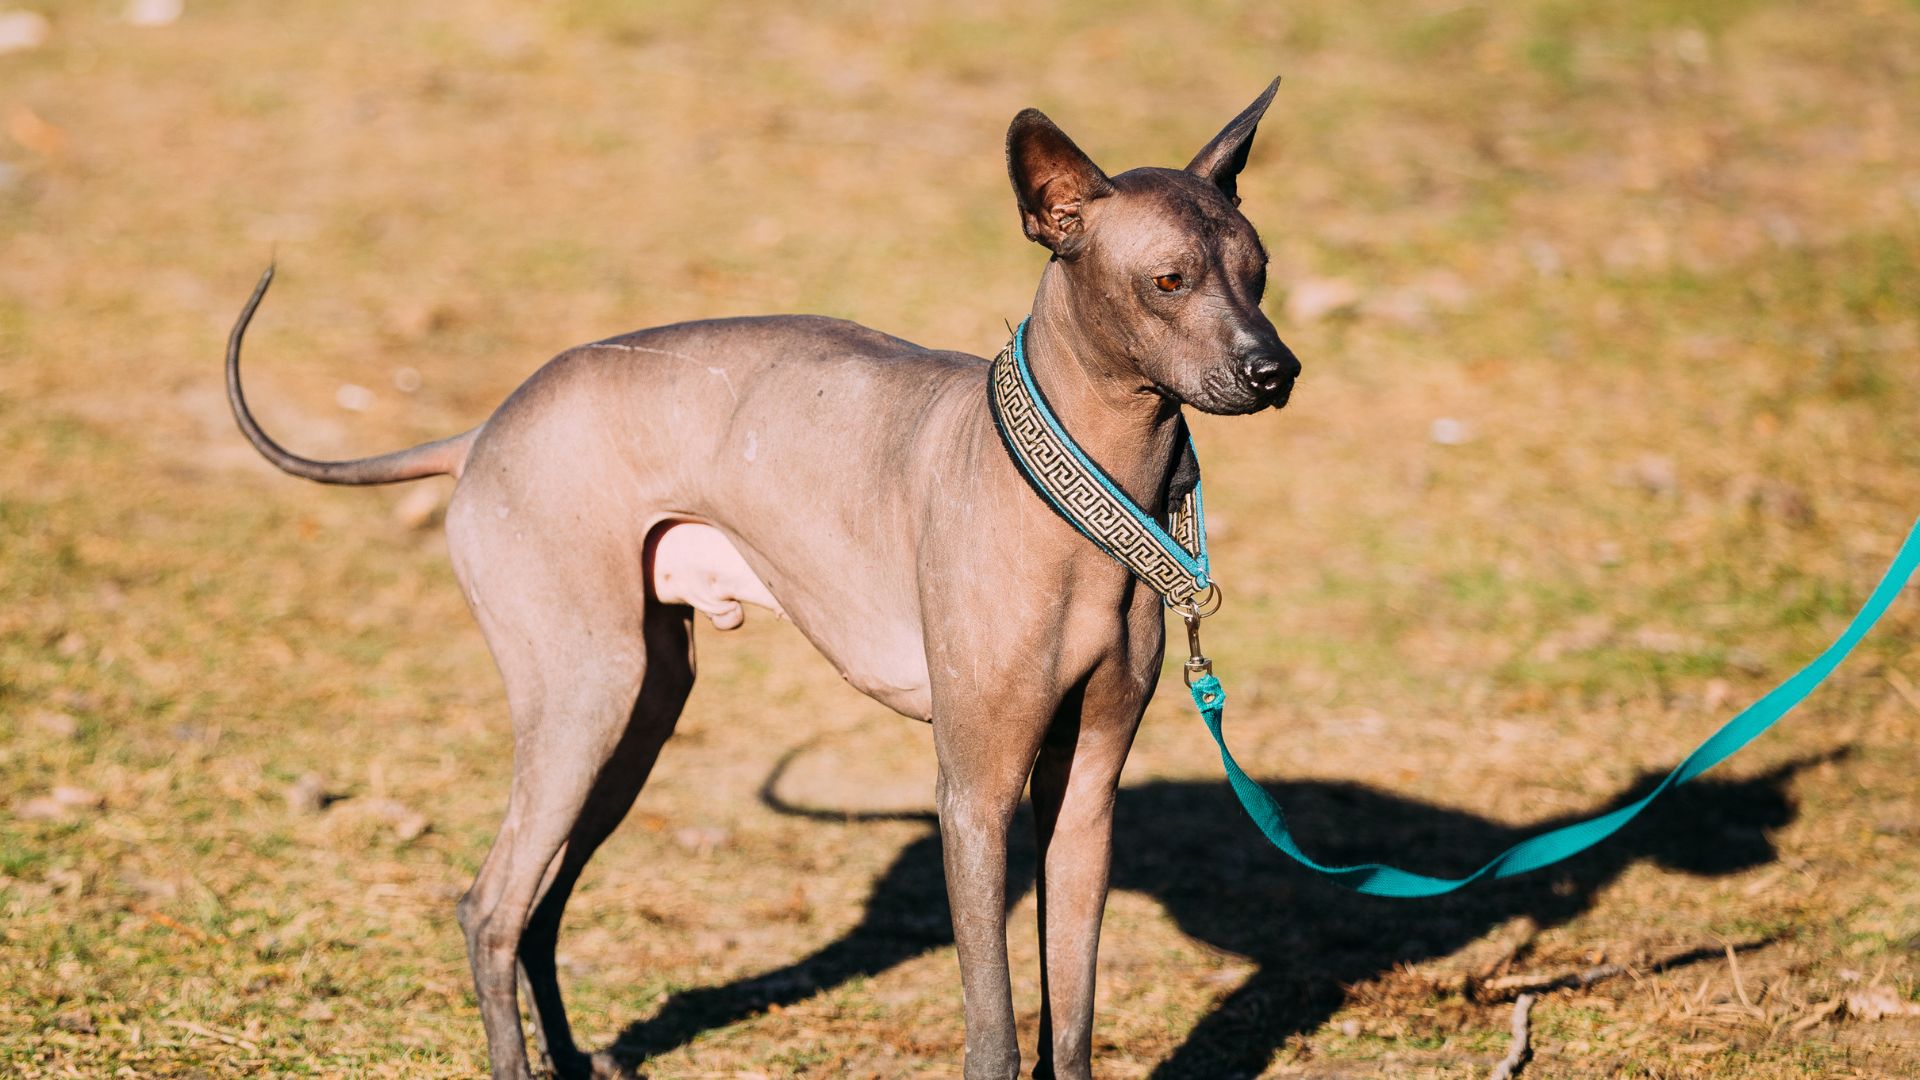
x=1070, y=482
x=1551, y=847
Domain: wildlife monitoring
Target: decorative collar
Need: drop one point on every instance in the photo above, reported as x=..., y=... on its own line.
x=1171, y=560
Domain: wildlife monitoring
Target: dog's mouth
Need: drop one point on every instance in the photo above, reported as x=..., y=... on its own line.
x=1230, y=397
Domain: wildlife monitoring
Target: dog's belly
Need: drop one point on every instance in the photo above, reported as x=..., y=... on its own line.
x=693, y=563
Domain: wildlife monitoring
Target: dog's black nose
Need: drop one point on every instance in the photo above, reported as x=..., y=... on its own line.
x=1270, y=371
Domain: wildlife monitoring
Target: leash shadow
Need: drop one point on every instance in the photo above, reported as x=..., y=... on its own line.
x=1187, y=844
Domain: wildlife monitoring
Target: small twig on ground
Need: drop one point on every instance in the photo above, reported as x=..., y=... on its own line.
x=1904, y=687
x=216, y=1034
x=1491, y=990
x=1539, y=984
x=1526, y=933
x=1520, y=1049
x=177, y=926
x=1739, y=985
x=1817, y=1015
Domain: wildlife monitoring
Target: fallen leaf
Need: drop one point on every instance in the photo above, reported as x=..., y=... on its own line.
x=1878, y=1002
x=1447, y=431
x=60, y=725
x=418, y=508
x=26, y=127
x=20, y=30
x=1313, y=299
x=307, y=795
x=700, y=840
x=353, y=397
x=154, y=12
x=406, y=823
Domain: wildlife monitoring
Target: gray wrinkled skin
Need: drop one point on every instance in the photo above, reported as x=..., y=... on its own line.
x=854, y=483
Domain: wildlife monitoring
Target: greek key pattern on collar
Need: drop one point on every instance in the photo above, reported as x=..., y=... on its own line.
x=1076, y=496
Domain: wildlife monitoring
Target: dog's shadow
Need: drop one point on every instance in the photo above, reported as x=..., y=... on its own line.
x=1188, y=845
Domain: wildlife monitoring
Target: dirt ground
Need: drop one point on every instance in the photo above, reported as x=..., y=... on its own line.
x=1609, y=422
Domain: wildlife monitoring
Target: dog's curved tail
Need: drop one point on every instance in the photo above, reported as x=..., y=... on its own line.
x=442, y=457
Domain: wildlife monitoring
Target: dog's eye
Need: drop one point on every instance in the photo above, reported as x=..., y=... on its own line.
x=1169, y=282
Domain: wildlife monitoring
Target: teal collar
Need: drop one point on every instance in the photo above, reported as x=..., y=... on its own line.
x=1172, y=560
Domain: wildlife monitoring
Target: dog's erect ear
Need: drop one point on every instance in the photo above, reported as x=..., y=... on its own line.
x=1222, y=159
x=1053, y=181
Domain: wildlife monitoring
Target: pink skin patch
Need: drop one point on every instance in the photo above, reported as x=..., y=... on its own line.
x=697, y=565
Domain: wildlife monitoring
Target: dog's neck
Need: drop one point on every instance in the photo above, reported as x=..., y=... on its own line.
x=1115, y=415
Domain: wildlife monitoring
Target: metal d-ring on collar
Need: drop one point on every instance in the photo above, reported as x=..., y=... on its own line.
x=1171, y=560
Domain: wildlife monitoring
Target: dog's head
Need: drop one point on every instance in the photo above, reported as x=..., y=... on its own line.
x=1164, y=256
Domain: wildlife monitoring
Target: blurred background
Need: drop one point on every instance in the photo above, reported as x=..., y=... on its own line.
x=1612, y=350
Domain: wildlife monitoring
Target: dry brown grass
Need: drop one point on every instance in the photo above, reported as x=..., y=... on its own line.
x=1659, y=259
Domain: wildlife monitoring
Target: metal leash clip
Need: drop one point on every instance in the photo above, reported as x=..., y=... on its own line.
x=1197, y=606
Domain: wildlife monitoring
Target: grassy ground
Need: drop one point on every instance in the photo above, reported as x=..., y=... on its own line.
x=1654, y=264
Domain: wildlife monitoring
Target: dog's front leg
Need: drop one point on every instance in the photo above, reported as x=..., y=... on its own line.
x=986, y=752
x=1074, y=785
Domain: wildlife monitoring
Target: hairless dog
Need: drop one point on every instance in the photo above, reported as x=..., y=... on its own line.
x=633, y=481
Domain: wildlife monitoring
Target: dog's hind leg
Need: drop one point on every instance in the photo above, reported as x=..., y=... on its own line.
x=663, y=691
x=546, y=802
x=565, y=614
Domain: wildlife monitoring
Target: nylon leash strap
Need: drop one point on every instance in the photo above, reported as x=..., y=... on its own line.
x=1551, y=847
